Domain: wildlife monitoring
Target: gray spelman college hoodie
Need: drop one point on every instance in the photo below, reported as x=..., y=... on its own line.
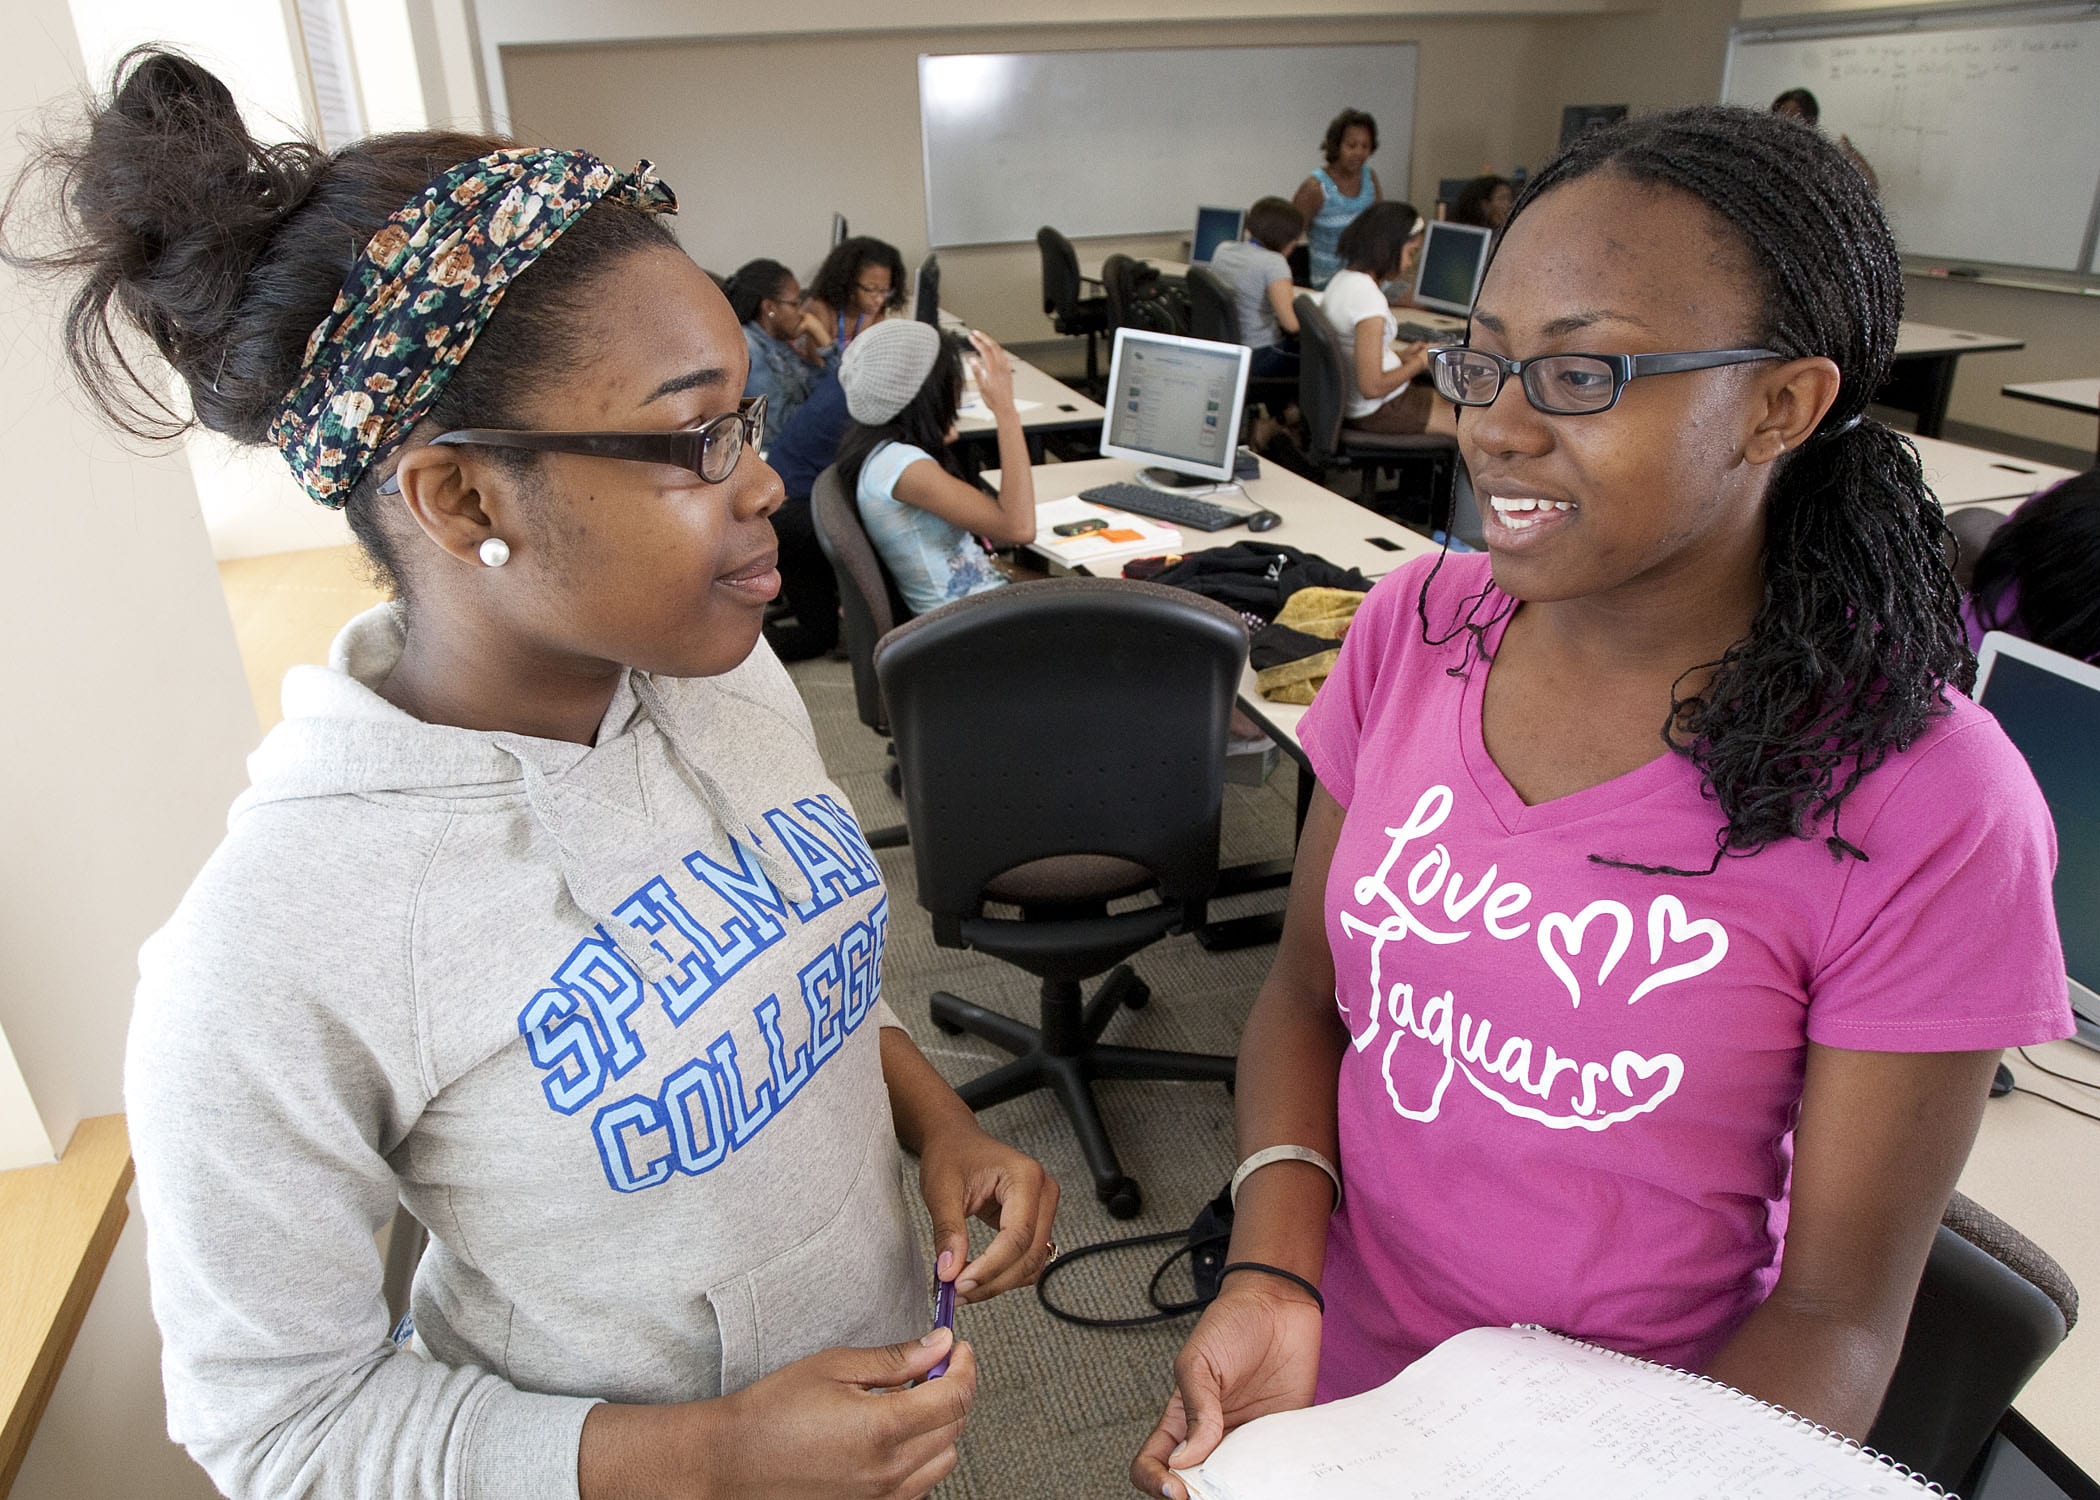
x=604, y=1017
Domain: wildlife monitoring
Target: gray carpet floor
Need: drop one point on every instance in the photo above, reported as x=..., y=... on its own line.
x=1060, y=1410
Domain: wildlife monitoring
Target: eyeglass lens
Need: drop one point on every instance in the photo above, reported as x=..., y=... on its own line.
x=1560, y=383
x=722, y=440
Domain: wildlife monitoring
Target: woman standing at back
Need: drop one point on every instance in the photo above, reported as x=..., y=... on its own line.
x=540, y=916
x=1335, y=194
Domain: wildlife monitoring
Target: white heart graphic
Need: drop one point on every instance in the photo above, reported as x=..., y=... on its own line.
x=1626, y=1067
x=1668, y=910
x=1570, y=929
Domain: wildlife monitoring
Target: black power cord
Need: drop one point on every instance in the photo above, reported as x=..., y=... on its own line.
x=1203, y=1244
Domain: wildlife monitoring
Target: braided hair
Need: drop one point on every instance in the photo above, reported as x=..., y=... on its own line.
x=1859, y=634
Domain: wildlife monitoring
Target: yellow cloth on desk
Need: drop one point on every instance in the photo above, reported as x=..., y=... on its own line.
x=1322, y=612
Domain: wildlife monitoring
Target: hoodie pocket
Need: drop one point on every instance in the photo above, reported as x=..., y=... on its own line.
x=858, y=1279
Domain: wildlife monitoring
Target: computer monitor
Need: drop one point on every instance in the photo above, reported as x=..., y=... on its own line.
x=1214, y=227
x=838, y=230
x=926, y=292
x=1447, y=191
x=2048, y=705
x=1447, y=277
x=1174, y=403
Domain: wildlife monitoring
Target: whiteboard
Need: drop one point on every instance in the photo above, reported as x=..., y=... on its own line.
x=1983, y=133
x=1132, y=141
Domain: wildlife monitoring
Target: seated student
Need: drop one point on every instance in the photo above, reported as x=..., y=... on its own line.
x=511, y=909
x=860, y=283
x=2038, y=575
x=903, y=385
x=1484, y=202
x=1379, y=247
x=806, y=447
x=1260, y=279
x=788, y=343
x=1663, y=904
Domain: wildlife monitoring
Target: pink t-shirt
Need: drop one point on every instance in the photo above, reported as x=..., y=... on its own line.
x=1571, y=1089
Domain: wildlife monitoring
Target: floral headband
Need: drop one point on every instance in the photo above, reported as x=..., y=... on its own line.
x=420, y=294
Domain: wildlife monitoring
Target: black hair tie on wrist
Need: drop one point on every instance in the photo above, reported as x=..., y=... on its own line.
x=1290, y=1276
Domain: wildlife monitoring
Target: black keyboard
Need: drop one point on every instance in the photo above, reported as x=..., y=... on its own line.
x=1422, y=333
x=1179, y=510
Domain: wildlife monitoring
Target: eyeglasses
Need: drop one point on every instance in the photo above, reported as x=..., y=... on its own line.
x=1566, y=385
x=871, y=291
x=710, y=450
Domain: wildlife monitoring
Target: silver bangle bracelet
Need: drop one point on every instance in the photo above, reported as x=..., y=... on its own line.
x=1272, y=1154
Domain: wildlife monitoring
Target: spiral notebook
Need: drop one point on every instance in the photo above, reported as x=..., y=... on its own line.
x=1503, y=1413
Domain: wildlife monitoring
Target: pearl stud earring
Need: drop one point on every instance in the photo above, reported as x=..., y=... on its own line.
x=495, y=552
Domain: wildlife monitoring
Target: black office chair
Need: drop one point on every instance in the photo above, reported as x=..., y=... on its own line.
x=1326, y=376
x=1063, y=747
x=1138, y=297
x=870, y=602
x=1991, y=1307
x=1214, y=314
x=1069, y=312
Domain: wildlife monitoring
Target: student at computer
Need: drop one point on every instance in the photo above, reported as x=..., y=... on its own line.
x=1484, y=202
x=2038, y=575
x=1260, y=279
x=860, y=283
x=903, y=385
x=1387, y=392
x=786, y=341
x=1335, y=194
x=540, y=916
x=1663, y=904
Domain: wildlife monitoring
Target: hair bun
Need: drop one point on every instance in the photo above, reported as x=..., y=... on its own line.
x=166, y=204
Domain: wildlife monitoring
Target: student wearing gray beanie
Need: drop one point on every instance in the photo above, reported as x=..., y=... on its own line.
x=903, y=385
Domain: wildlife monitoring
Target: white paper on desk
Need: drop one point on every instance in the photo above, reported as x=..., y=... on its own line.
x=977, y=411
x=1093, y=546
x=1500, y=1412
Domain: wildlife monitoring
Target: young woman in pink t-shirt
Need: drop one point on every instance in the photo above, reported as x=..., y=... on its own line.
x=1663, y=904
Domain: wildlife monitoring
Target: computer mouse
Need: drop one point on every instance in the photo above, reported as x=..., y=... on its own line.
x=1263, y=520
x=2003, y=1082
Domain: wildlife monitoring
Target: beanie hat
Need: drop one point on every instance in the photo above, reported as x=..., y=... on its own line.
x=884, y=368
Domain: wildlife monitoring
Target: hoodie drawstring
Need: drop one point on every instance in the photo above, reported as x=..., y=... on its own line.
x=787, y=876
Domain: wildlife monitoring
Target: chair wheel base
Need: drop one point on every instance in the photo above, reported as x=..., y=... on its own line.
x=1122, y=1198
x=946, y=1027
x=1137, y=994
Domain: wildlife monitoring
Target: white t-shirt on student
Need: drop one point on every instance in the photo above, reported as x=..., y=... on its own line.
x=1350, y=298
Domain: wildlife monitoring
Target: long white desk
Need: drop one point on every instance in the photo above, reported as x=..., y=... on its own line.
x=2068, y=395
x=1960, y=475
x=1055, y=407
x=1315, y=520
x=1922, y=378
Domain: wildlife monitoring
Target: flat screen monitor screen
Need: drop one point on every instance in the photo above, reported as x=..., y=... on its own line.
x=1214, y=227
x=1175, y=403
x=838, y=230
x=1448, y=274
x=926, y=292
x=2049, y=706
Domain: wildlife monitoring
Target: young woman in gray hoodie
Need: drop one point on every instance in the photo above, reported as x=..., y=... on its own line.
x=540, y=916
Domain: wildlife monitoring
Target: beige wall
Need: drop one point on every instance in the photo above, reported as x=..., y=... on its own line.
x=127, y=720
x=765, y=138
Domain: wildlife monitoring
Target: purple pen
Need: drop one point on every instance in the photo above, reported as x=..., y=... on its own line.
x=943, y=1317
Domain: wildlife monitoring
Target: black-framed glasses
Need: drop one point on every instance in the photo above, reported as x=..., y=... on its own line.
x=1566, y=385
x=710, y=450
